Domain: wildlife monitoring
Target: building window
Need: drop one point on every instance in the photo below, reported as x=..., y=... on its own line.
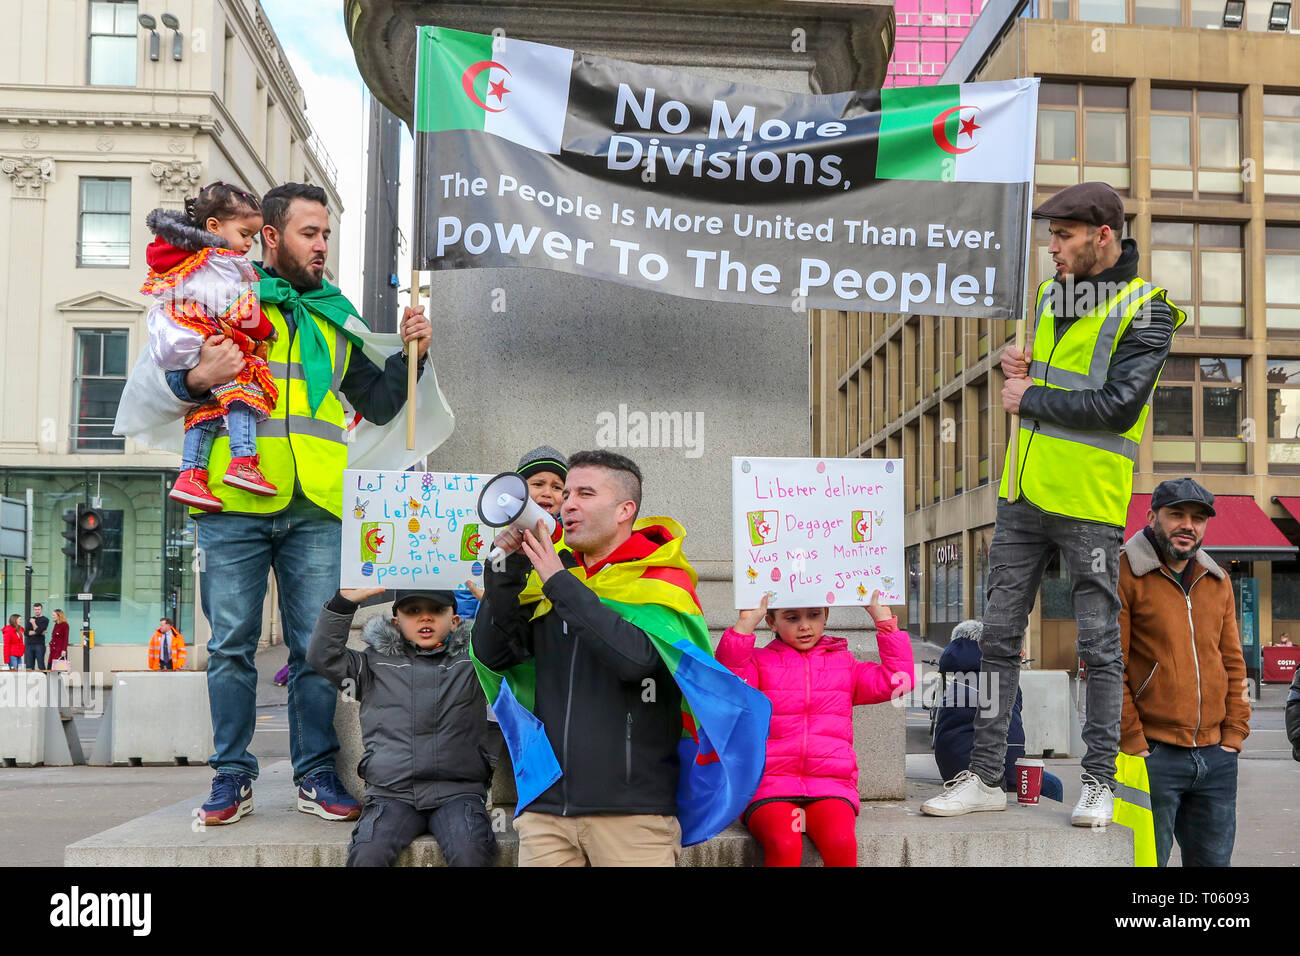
x=912, y=556
x=97, y=388
x=1160, y=13
x=1195, y=142
x=982, y=438
x=1283, y=383
x=112, y=42
x=104, y=229
x=1198, y=408
x=1082, y=134
x=981, y=542
x=1201, y=266
x=1282, y=144
x=936, y=458
x=1102, y=11
x=1282, y=278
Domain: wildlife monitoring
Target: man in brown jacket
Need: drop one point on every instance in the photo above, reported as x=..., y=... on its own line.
x=1186, y=698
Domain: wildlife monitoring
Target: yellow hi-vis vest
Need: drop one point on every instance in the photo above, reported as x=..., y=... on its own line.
x=1133, y=806
x=1081, y=474
x=294, y=446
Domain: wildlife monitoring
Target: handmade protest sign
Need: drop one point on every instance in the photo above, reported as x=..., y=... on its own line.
x=814, y=532
x=903, y=200
x=406, y=529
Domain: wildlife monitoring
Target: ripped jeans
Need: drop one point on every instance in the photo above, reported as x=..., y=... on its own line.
x=1024, y=540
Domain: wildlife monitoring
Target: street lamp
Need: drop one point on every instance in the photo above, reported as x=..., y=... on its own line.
x=171, y=23
x=150, y=24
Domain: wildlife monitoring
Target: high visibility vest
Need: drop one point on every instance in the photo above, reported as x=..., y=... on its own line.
x=294, y=446
x=1081, y=474
x=1133, y=806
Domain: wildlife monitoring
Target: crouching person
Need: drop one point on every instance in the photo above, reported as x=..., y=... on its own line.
x=423, y=723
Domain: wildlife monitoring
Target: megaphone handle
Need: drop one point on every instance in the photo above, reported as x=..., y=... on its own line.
x=495, y=555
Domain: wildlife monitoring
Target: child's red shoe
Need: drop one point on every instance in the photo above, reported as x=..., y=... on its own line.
x=191, y=488
x=244, y=473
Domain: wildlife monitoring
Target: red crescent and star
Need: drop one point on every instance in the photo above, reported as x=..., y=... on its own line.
x=497, y=89
x=374, y=540
x=968, y=128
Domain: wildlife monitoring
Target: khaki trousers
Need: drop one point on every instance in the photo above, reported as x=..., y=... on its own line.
x=598, y=840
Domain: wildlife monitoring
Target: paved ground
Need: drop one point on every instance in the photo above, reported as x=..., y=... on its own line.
x=42, y=810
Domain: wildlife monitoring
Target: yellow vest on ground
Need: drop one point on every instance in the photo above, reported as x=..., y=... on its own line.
x=293, y=445
x=1133, y=806
x=1081, y=474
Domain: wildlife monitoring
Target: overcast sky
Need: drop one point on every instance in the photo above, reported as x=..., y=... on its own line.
x=313, y=36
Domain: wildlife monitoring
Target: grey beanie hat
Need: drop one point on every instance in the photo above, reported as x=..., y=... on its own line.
x=543, y=458
x=972, y=628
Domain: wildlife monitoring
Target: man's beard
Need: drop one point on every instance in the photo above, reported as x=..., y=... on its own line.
x=299, y=275
x=1171, y=551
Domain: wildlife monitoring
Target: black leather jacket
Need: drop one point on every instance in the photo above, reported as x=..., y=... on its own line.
x=1134, y=365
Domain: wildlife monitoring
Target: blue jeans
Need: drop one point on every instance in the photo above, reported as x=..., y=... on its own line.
x=301, y=544
x=1024, y=540
x=387, y=827
x=242, y=423
x=15, y=661
x=34, y=656
x=1193, y=800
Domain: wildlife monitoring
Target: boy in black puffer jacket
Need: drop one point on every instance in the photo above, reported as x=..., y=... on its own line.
x=423, y=722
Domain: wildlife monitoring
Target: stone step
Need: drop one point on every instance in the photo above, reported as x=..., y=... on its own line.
x=890, y=833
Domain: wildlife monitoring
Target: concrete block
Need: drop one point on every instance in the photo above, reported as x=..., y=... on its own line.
x=23, y=724
x=889, y=833
x=156, y=717
x=1046, y=712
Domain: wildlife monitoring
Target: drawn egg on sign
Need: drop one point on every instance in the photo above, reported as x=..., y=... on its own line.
x=830, y=597
x=776, y=574
x=426, y=480
x=476, y=568
x=744, y=466
x=367, y=569
x=821, y=467
x=889, y=467
x=412, y=526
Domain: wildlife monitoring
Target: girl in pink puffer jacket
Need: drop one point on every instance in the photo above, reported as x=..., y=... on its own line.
x=810, y=782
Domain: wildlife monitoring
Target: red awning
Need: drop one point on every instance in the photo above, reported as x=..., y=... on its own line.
x=1292, y=505
x=1240, y=531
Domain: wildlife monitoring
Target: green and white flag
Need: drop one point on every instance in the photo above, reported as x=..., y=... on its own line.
x=511, y=88
x=972, y=133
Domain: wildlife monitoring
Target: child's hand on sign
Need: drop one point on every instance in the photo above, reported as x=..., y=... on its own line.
x=748, y=620
x=475, y=590
x=879, y=612
x=359, y=595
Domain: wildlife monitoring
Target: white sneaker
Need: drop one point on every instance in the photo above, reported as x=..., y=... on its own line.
x=1096, y=806
x=965, y=793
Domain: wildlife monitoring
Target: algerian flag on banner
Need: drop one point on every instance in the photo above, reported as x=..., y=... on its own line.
x=511, y=88
x=972, y=133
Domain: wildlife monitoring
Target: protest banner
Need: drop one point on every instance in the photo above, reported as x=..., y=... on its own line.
x=815, y=532
x=406, y=529
x=901, y=200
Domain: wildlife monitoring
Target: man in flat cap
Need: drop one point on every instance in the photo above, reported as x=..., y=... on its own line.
x=1186, y=705
x=1083, y=388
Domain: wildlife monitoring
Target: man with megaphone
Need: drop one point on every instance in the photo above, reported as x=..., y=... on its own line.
x=597, y=662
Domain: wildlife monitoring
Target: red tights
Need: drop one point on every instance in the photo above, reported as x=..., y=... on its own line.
x=780, y=826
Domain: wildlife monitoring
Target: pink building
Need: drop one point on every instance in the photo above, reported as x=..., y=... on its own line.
x=928, y=33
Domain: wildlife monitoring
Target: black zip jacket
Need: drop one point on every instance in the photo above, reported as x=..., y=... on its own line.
x=423, y=714
x=611, y=708
x=1293, y=716
x=1134, y=365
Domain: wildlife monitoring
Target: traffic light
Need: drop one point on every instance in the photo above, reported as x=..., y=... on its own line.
x=90, y=521
x=71, y=533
